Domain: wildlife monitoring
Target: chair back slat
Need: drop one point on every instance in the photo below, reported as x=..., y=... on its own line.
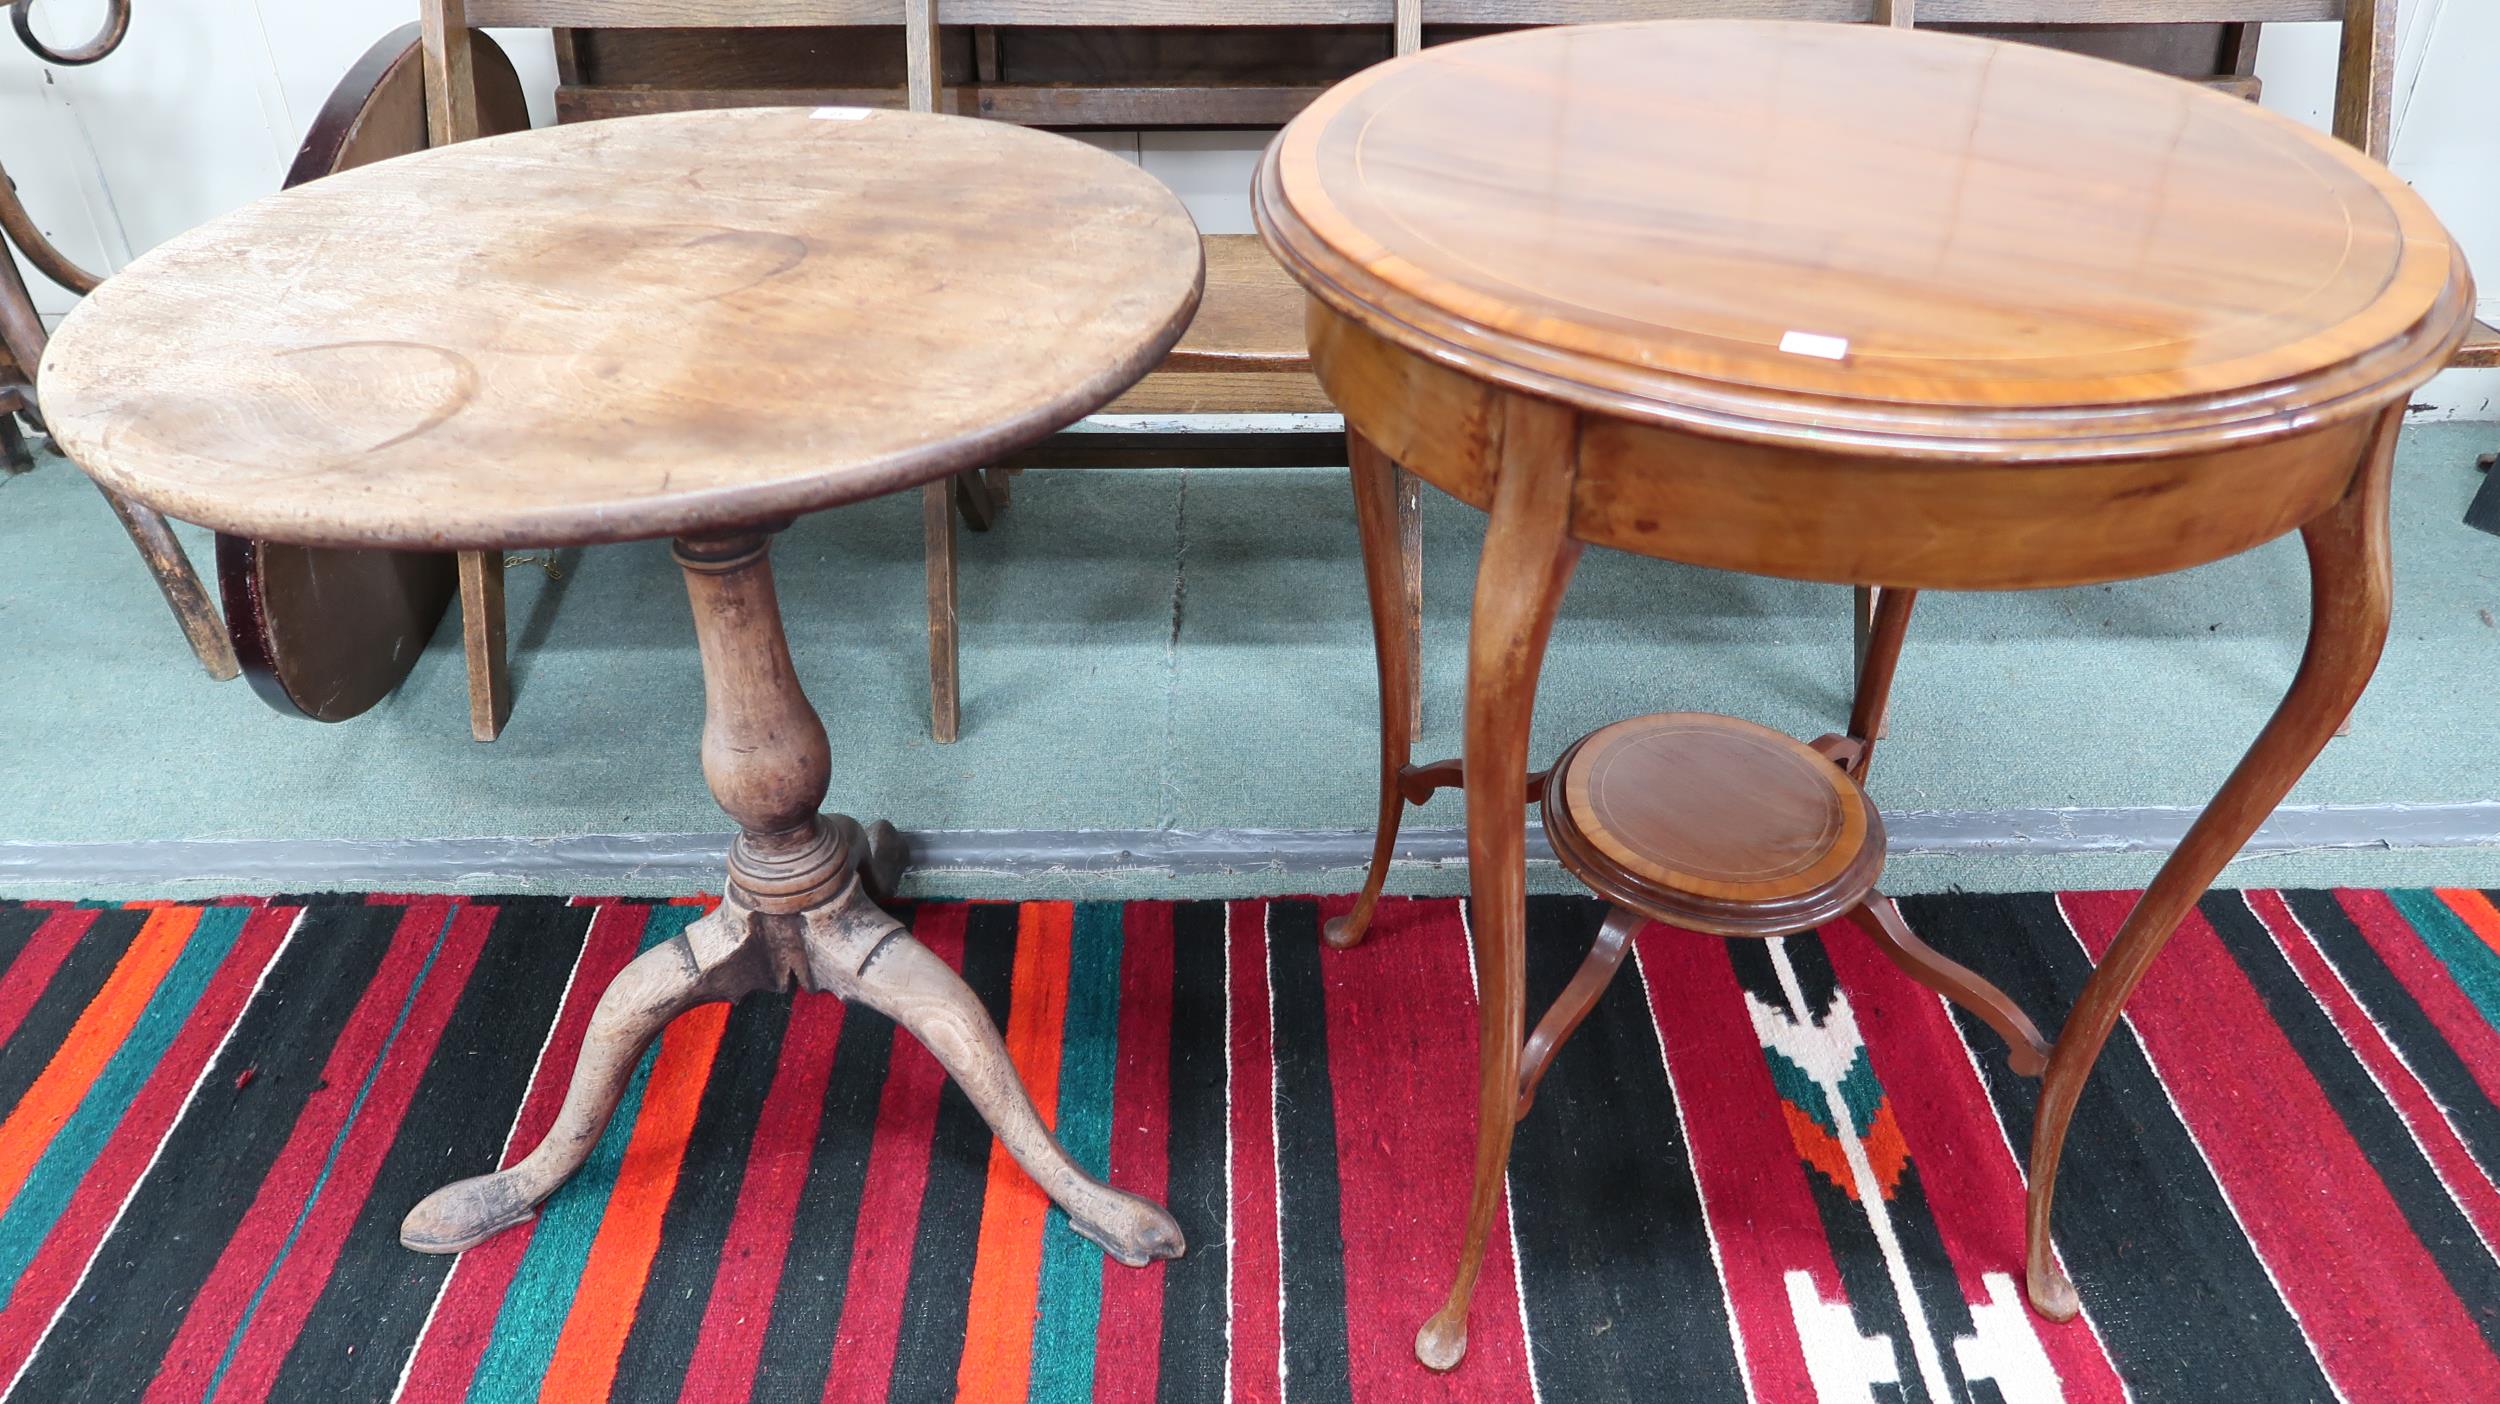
x=922, y=78
x=450, y=77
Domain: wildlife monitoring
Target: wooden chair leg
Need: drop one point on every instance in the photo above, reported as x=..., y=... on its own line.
x=937, y=524
x=482, y=640
x=1411, y=572
x=2026, y=1051
x=1572, y=1007
x=15, y=457
x=973, y=496
x=188, y=598
x=1377, y=495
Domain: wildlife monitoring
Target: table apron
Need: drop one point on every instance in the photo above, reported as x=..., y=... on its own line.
x=1844, y=517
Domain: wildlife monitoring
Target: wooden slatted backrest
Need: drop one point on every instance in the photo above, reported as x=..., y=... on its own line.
x=2365, y=72
x=2365, y=69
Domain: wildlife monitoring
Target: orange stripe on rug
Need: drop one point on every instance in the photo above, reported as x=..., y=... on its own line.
x=584, y=1365
x=2476, y=911
x=100, y=1029
x=1007, y=1266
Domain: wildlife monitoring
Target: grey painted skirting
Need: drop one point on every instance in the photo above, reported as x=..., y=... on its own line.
x=695, y=859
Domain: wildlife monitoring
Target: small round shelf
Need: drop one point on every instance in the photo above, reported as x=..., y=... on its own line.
x=1713, y=823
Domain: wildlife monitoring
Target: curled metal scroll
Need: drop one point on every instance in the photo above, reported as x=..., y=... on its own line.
x=106, y=40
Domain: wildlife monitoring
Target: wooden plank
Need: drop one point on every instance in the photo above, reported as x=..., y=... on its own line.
x=1250, y=317
x=921, y=80
x=1188, y=448
x=1900, y=14
x=2365, y=76
x=2481, y=348
x=1024, y=104
x=450, y=77
x=1407, y=29
x=1224, y=392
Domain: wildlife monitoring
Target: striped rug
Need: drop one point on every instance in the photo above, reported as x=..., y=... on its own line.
x=1771, y=1171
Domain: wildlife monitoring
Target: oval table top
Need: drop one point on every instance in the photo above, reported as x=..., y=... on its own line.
x=642, y=327
x=1894, y=239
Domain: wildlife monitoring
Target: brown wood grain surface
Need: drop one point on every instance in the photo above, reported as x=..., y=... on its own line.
x=625, y=329
x=1805, y=275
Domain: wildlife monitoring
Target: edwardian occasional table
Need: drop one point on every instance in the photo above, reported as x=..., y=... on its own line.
x=1848, y=304
x=693, y=326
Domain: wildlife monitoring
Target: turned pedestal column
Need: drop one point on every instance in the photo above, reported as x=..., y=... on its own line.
x=799, y=913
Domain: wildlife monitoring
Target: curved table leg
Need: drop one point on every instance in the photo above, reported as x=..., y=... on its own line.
x=704, y=964
x=860, y=953
x=1377, y=512
x=1526, y=566
x=2348, y=611
x=2026, y=1051
x=194, y=611
x=1571, y=1008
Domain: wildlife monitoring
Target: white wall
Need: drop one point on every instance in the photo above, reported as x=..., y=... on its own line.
x=202, y=107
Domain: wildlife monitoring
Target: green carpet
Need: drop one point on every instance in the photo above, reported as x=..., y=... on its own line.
x=1190, y=650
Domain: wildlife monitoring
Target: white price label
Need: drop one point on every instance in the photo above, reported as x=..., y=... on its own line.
x=1828, y=348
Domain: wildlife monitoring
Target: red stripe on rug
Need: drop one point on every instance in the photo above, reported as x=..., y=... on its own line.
x=191, y=1360
x=2375, y=1307
x=1974, y=1184
x=1257, y=1326
x=731, y=1339
x=305, y=1270
x=1401, y=1064
x=1753, y=1186
x=62, y=1261
x=1128, y=1356
x=584, y=1364
x=889, y=1202
x=2466, y=1179
x=91, y=1042
x=2424, y=977
x=472, y=1295
x=997, y=1361
x=37, y=962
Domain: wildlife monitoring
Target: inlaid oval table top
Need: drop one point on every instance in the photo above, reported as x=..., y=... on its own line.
x=640, y=327
x=1858, y=235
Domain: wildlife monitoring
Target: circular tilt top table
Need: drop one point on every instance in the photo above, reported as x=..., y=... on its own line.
x=694, y=326
x=1851, y=304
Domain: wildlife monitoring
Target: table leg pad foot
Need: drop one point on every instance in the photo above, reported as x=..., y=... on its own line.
x=1343, y=932
x=464, y=1214
x=1138, y=1233
x=1442, y=1342
x=2052, y=1295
